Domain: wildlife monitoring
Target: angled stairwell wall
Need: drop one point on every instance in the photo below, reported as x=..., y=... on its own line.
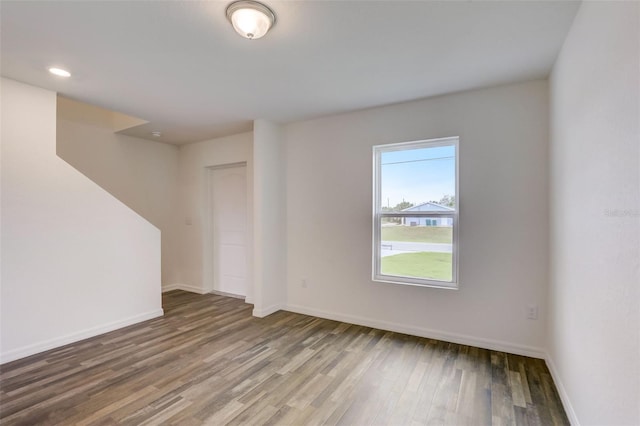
x=75, y=261
x=141, y=173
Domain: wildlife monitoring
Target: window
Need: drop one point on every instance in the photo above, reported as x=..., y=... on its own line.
x=415, y=213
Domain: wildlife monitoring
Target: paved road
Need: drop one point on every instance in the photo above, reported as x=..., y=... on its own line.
x=390, y=248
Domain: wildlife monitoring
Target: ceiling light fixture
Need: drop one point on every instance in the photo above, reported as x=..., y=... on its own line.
x=59, y=72
x=250, y=19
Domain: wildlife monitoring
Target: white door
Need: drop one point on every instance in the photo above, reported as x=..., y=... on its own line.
x=229, y=202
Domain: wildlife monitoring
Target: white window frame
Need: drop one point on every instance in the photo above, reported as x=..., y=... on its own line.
x=378, y=214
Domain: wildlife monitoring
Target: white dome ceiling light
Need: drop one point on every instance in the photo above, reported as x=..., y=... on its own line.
x=250, y=19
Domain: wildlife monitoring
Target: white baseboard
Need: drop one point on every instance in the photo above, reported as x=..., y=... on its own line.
x=185, y=287
x=494, y=345
x=261, y=313
x=564, y=396
x=36, y=348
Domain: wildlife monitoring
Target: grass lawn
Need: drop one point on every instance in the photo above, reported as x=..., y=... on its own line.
x=436, y=266
x=418, y=234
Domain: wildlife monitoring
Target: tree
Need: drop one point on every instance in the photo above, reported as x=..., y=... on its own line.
x=398, y=207
x=447, y=200
x=403, y=205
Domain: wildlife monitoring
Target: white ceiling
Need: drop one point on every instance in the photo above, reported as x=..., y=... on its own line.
x=180, y=65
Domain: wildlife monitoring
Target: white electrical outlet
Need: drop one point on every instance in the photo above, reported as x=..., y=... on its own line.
x=532, y=312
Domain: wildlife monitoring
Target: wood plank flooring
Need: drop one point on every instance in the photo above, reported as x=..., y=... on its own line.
x=208, y=361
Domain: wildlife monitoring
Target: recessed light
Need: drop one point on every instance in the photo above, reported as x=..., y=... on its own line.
x=59, y=72
x=156, y=134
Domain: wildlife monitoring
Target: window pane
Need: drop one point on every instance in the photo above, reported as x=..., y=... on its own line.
x=418, y=179
x=417, y=247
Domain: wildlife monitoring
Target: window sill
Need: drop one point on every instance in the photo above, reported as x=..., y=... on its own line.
x=415, y=282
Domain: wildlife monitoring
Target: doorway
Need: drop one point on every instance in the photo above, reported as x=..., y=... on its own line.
x=228, y=216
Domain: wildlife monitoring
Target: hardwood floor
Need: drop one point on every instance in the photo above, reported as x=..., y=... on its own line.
x=208, y=361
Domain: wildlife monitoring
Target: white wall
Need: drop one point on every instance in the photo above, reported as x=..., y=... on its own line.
x=76, y=262
x=142, y=174
x=193, y=250
x=594, y=327
x=503, y=217
x=270, y=219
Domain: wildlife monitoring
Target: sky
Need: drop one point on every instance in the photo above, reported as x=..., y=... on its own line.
x=417, y=175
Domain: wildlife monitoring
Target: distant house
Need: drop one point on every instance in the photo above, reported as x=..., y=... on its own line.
x=428, y=221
